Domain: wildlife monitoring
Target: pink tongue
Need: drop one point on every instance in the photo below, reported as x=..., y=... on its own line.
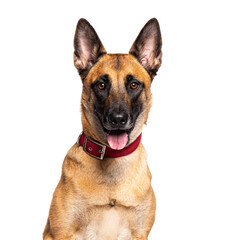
x=117, y=141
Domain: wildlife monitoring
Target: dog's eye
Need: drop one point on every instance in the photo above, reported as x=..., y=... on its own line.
x=134, y=85
x=101, y=86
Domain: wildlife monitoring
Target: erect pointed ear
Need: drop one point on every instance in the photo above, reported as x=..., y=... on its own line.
x=88, y=47
x=147, y=47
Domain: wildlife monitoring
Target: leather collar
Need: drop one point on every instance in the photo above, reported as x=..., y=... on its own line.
x=100, y=151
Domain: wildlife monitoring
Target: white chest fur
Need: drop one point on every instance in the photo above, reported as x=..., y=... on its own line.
x=107, y=225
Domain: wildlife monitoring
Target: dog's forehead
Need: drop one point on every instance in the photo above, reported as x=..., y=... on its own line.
x=117, y=67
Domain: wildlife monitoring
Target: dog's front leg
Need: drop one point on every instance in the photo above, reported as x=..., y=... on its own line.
x=59, y=233
x=147, y=212
x=62, y=223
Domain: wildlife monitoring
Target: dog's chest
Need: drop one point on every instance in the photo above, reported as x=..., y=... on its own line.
x=113, y=214
x=106, y=224
x=113, y=220
x=111, y=203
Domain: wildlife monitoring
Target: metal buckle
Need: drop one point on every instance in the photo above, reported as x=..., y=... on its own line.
x=102, y=152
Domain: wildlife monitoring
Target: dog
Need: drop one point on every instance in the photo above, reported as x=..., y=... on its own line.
x=105, y=192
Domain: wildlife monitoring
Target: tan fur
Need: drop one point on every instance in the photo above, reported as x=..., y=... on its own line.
x=81, y=207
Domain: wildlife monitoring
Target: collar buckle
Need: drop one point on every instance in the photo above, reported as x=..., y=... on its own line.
x=85, y=148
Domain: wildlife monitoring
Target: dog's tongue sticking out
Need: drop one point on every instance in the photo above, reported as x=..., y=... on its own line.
x=117, y=140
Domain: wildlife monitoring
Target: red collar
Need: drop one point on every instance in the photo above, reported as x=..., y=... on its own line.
x=99, y=151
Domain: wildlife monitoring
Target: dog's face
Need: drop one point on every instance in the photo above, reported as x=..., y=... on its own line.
x=116, y=96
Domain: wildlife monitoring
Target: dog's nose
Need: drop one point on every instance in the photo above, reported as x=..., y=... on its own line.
x=118, y=119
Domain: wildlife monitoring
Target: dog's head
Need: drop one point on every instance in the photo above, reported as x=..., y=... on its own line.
x=116, y=96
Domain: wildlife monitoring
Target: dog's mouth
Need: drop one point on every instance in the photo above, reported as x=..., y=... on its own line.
x=117, y=139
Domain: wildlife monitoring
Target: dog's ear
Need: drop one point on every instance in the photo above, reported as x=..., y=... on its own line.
x=147, y=47
x=88, y=47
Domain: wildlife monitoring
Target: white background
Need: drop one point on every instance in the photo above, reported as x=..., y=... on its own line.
x=187, y=136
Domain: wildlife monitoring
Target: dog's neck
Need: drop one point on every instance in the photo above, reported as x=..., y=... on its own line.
x=100, y=151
